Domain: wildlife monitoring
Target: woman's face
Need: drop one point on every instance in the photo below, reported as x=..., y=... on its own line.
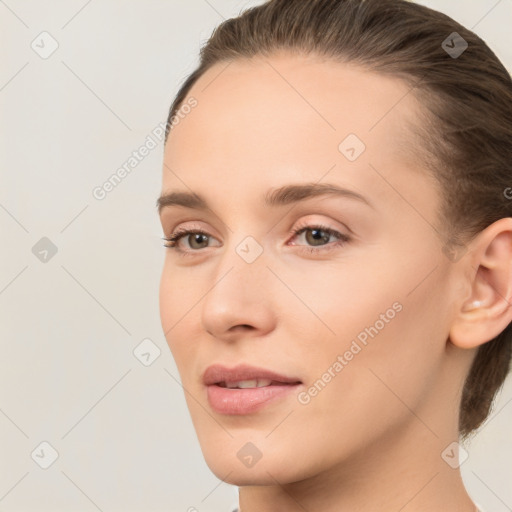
x=361, y=323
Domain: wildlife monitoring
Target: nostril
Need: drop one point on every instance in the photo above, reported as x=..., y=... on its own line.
x=241, y=326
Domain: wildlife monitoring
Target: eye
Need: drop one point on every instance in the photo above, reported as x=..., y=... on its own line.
x=319, y=239
x=318, y=235
x=200, y=237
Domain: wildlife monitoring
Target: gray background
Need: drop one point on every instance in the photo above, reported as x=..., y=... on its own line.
x=70, y=321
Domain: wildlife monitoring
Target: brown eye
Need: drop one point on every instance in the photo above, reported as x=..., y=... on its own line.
x=316, y=236
x=198, y=238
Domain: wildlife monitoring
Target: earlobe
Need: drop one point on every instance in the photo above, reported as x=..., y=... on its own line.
x=488, y=310
x=473, y=326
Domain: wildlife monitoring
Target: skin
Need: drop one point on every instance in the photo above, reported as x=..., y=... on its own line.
x=372, y=438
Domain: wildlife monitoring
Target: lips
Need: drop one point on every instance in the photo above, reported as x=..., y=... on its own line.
x=222, y=375
x=246, y=389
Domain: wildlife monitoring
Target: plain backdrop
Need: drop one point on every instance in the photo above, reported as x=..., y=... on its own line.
x=82, y=86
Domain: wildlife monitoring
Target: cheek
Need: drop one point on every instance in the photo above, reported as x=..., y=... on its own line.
x=386, y=324
x=335, y=302
x=180, y=291
x=176, y=299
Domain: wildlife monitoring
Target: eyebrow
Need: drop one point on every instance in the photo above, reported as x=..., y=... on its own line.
x=281, y=196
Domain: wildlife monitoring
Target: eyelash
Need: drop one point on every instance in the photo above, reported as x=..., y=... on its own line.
x=180, y=233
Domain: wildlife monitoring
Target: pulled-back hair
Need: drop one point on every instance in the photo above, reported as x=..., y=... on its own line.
x=464, y=136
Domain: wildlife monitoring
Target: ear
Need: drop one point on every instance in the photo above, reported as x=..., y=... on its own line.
x=488, y=310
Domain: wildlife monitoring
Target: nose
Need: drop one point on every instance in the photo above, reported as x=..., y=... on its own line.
x=241, y=299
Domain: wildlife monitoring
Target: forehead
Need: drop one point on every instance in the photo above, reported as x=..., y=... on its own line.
x=285, y=118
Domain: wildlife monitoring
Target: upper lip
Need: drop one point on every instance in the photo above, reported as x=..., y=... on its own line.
x=218, y=373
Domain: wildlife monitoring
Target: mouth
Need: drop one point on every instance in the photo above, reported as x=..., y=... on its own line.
x=252, y=383
x=245, y=389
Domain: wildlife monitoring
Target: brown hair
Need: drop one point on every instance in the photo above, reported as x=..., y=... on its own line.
x=464, y=137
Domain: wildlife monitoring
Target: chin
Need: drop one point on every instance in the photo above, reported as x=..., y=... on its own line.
x=262, y=473
x=239, y=462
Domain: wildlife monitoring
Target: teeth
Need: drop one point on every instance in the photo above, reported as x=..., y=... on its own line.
x=243, y=384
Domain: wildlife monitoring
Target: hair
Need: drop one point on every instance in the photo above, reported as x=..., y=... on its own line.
x=463, y=132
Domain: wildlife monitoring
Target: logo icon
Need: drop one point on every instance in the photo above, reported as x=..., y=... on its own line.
x=44, y=45
x=249, y=455
x=249, y=249
x=146, y=352
x=454, y=45
x=44, y=250
x=352, y=147
x=45, y=455
x=454, y=455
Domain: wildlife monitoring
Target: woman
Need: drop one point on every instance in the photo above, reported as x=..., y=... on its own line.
x=337, y=283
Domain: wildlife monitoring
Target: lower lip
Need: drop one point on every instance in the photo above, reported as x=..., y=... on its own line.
x=245, y=401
